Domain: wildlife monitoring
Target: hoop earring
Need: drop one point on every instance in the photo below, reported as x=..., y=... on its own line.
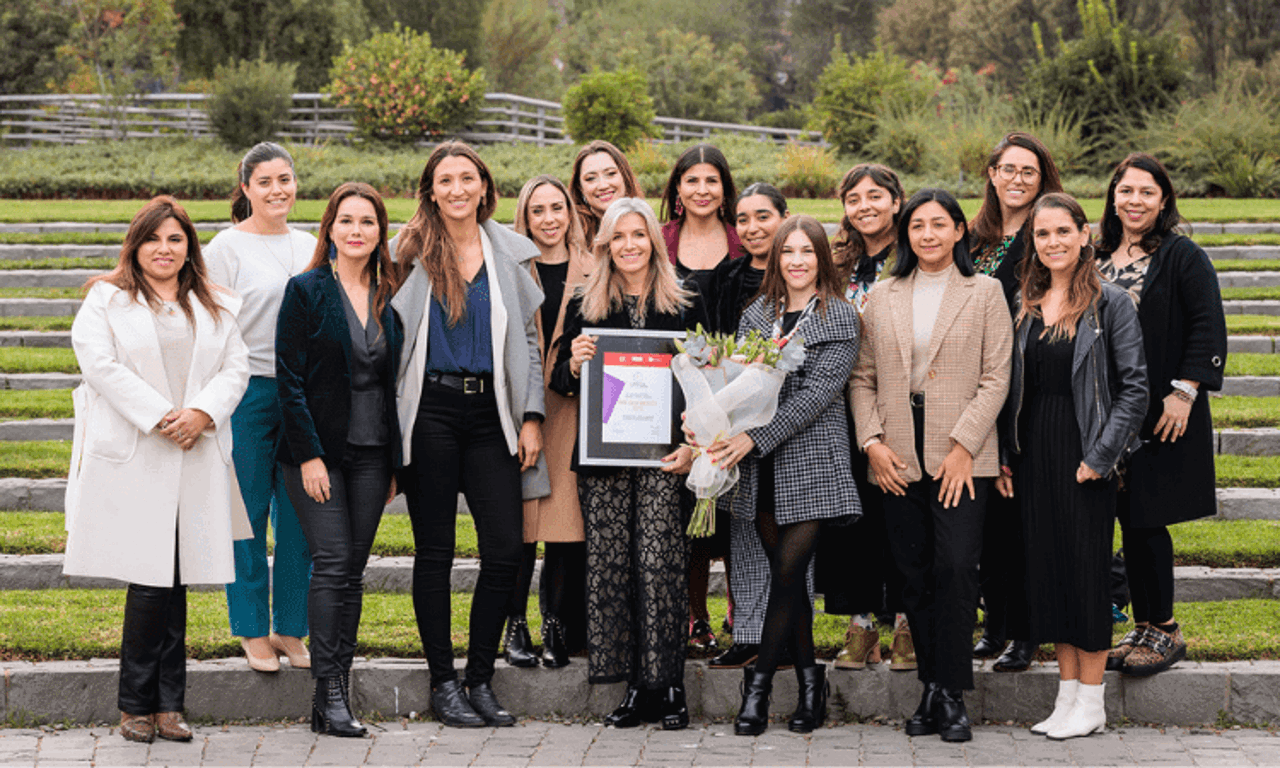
x=679, y=207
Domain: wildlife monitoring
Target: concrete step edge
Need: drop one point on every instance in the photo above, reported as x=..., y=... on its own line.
x=1191, y=693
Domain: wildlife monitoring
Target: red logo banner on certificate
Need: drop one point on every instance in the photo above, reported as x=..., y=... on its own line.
x=635, y=384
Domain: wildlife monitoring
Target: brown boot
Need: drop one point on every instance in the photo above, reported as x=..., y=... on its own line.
x=903, y=651
x=861, y=647
x=171, y=727
x=137, y=727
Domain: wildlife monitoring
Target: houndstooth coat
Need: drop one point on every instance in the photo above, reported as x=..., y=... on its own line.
x=809, y=435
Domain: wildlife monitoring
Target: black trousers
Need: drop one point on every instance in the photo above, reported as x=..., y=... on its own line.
x=153, y=648
x=937, y=551
x=1148, y=559
x=458, y=446
x=854, y=568
x=340, y=533
x=562, y=591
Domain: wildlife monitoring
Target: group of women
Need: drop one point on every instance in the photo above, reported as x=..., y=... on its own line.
x=1008, y=388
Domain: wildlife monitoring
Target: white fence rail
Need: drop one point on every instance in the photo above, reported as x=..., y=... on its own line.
x=76, y=119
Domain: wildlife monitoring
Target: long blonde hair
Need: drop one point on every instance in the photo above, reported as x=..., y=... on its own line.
x=602, y=292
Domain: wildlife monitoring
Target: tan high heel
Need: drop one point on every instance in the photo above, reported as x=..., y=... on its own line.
x=260, y=655
x=292, y=649
x=861, y=647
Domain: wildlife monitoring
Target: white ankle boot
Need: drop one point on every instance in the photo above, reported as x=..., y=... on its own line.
x=1061, y=707
x=1088, y=716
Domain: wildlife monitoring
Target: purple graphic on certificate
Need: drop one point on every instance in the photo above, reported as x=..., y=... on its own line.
x=612, y=391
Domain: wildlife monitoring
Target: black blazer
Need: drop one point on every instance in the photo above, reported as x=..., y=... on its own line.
x=313, y=370
x=563, y=382
x=1184, y=332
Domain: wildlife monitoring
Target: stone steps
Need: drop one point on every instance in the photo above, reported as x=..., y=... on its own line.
x=1269, y=307
x=1191, y=693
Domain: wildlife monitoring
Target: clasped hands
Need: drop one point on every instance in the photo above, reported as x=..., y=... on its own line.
x=954, y=476
x=184, y=426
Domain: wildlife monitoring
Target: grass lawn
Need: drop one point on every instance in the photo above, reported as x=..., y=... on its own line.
x=1248, y=472
x=1251, y=325
x=36, y=323
x=84, y=624
x=1255, y=294
x=41, y=533
x=1253, y=364
x=38, y=360
x=1247, y=265
x=400, y=209
x=36, y=404
x=1209, y=240
x=35, y=458
x=83, y=238
x=40, y=293
x=58, y=263
x=1228, y=412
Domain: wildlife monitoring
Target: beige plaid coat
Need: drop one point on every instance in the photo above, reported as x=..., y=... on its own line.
x=968, y=376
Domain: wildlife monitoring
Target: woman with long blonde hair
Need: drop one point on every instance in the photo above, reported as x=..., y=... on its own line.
x=637, y=552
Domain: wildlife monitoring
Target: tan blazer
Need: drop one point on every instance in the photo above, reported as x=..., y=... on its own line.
x=558, y=517
x=969, y=361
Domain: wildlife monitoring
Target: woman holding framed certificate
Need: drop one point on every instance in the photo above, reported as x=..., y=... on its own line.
x=637, y=552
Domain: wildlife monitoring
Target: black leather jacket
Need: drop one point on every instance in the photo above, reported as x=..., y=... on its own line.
x=1108, y=382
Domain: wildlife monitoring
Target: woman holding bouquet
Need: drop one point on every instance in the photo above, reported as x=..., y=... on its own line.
x=637, y=552
x=780, y=504
x=931, y=379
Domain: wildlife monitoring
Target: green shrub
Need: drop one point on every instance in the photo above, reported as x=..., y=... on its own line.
x=403, y=89
x=613, y=106
x=795, y=118
x=852, y=93
x=1227, y=140
x=1107, y=78
x=807, y=172
x=1062, y=132
x=250, y=101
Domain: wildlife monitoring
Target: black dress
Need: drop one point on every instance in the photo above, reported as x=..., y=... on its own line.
x=1067, y=526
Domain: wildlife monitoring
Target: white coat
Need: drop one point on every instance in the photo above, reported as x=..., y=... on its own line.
x=132, y=493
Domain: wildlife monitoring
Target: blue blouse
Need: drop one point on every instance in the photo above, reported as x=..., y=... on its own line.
x=465, y=348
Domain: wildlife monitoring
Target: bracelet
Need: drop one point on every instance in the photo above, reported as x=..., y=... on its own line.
x=1181, y=386
x=1183, y=396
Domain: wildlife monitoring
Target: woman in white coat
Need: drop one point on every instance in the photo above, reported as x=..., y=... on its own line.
x=149, y=499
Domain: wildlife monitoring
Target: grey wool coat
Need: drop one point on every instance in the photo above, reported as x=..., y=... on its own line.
x=517, y=363
x=809, y=435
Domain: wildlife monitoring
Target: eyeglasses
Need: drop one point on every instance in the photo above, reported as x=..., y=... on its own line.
x=1026, y=173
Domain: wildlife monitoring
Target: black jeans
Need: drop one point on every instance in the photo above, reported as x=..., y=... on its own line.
x=1003, y=571
x=153, y=648
x=340, y=533
x=458, y=445
x=937, y=551
x=562, y=591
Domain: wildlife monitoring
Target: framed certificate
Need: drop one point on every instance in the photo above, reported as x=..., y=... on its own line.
x=630, y=403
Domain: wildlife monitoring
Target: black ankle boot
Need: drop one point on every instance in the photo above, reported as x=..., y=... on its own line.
x=753, y=717
x=329, y=711
x=519, y=644
x=1016, y=657
x=953, y=720
x=811, y=710
x=450, y=704
x=988, y=647
x=345, y=679
x=674, y=709
x=627, y=715
x=486, y=705
x=555, y=649
x=924, y=722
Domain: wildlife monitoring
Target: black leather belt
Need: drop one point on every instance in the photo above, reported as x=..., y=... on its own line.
x=917, y=399
x=467, y=385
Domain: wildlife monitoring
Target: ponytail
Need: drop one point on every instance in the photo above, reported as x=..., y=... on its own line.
x=261, y=153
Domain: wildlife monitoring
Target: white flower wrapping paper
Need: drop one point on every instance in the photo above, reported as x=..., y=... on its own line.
x=720, y=402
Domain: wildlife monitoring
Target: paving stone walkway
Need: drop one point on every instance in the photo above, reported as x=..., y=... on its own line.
x=540, y=743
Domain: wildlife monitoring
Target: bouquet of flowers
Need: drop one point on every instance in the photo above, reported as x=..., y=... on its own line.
x=729, y=386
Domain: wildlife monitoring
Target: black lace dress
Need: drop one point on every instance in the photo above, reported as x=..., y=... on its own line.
x=1067, y=526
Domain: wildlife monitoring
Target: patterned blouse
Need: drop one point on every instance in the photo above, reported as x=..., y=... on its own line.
x=1130, y=277
x=990, y=257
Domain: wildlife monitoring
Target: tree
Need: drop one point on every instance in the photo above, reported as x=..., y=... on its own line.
x=853, y=92
x=303, y=32
x=518, y=58
x=452, y=24
x=30, y=33
x=1112, y=77
x=689, y=78
x=1008, y=45
x=918, y=30
x=815, y=27
x=120, y=47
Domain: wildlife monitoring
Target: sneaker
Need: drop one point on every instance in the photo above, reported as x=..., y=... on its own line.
x=1157, y=651
x=701, y=636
